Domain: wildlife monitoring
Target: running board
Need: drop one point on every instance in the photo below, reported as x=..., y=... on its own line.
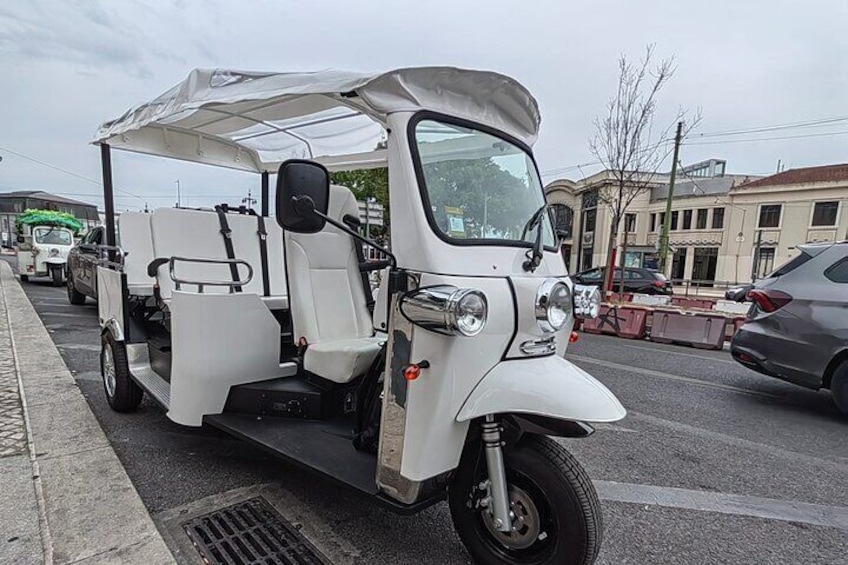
x=146, y=377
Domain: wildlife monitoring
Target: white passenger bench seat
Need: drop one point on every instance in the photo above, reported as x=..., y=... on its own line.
x=136, y=240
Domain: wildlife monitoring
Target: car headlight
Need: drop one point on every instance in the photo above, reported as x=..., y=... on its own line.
x=587, y=301
x=54, y=252
x=553, y=303
x=446, y=309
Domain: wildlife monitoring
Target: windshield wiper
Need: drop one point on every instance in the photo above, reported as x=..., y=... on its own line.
x=535, y=221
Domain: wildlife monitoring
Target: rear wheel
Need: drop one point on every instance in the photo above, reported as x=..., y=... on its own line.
x=557, y=516
x=56, y=275
x=839, y=387
x=122, y=393
x=74, y=296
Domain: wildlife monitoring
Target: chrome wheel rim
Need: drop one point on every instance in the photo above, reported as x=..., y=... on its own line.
x=109, y=370
x=526, y=522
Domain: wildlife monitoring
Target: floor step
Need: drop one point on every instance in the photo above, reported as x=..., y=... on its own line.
x=153, y=384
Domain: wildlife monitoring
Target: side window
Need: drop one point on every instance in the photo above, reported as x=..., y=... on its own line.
x=635, y=275
x=593, y=274
x=838, y=272
x=96, y=236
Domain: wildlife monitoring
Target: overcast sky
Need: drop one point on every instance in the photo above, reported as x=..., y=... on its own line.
x=67, y=66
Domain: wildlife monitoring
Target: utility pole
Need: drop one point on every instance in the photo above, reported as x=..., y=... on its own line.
x=667, y=223
x=755, y=268
x=178, y=193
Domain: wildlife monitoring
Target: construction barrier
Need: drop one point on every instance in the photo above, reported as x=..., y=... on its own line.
x=730, y=307
x=651, y=299
x=686, y=302
x=623, y=321
x=701, y=330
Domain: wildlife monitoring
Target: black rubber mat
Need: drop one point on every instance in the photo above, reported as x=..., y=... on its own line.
x=250, y=533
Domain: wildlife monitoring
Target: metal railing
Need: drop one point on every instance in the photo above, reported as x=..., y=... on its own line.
x=705, y=288
x=200, y=284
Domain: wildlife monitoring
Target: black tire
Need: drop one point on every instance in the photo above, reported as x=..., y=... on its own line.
x=839, y=387
x=56, y=276
x=565, y=503
x=24, y=278
x=125, y=395
x=74, y=296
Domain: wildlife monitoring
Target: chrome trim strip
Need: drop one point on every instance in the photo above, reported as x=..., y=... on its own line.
x=393, y=418
x=114, y=326
x=539, y=346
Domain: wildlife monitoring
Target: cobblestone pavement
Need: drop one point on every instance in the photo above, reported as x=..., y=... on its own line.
x=12, y=431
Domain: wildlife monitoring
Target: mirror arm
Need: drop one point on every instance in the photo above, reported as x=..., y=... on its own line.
x=353, y=234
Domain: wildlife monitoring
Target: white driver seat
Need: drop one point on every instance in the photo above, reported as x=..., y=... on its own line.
x=327, y=300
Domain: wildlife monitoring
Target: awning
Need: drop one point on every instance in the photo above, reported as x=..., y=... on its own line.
x=253, y=121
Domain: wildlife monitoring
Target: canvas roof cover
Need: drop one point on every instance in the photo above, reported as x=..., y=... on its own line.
x=254, y=121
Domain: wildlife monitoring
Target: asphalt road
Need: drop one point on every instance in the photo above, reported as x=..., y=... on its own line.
x=697, y=423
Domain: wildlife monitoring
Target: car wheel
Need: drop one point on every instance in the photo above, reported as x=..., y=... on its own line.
x=839, y=387
x=56, y=276
x=24, y=278
x=74, y=296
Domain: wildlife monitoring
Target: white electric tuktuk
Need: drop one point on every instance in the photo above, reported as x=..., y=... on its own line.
x=449, y=384
x=43, y=251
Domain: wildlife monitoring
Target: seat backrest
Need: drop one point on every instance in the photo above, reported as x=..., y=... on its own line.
x=327, y=299
x=136, y=240
x=197, y=234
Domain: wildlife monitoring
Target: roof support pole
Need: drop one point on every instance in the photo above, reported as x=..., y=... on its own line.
x=266, y=203
x=108, y=193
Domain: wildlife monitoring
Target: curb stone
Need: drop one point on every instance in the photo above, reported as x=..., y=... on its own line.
x=89, y=510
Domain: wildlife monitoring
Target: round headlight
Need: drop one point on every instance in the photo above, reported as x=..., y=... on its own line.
x=553, y=304
x=469, y=311
x=54, y=252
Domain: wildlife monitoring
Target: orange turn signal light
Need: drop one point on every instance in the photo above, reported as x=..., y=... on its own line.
x=573, y=337
x=412, y=372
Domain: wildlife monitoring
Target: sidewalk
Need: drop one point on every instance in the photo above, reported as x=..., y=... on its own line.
x=64, y=495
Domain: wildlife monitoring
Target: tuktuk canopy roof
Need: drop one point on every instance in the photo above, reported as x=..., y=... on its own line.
x=254, y=121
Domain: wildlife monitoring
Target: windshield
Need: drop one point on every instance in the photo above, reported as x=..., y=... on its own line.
x=53, y=236
x=479, y=186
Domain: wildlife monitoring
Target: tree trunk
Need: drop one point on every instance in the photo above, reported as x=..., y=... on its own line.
x=623, y=264
x=610, y=262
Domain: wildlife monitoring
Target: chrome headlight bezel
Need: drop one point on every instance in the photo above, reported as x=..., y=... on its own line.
x=54, y=252
x=553, y=294
x=587, y=301
x=439, y=309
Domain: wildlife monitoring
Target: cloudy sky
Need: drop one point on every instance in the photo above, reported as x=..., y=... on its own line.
x=67, y=66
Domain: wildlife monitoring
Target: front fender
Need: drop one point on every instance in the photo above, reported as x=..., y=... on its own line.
x=547, y=386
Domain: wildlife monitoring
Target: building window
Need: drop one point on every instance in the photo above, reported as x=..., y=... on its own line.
x=589, y=220
x=824, y=213
x=701, y=221
x=630, y=223
x=564, y=218
x=687, y=219
x=653, y=222
x=765, y=261
x=662, y=222
x=674, y=220
x=718, y=218
x=770, y=216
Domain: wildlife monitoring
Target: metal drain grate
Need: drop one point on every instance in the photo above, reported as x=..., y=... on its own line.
x=250, y=533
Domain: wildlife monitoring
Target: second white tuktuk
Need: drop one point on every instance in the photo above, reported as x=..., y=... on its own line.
x=452, y=384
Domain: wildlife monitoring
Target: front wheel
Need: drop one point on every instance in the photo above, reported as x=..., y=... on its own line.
x=556, y=512
x=56, y=275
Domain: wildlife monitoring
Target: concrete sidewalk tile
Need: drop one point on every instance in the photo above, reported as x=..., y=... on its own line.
x=65, y=425
x=150, y=551
x=91, y=506
x=20, y=534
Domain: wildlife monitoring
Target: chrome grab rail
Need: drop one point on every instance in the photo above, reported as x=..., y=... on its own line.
x=105, y=260
x=200, y=284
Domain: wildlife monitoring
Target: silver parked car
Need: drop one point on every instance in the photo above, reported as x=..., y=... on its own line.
x=797, y=327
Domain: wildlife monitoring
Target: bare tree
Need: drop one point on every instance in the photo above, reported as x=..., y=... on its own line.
x=627, y=145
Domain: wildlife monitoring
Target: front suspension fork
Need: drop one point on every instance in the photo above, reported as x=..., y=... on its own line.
x=498, y=497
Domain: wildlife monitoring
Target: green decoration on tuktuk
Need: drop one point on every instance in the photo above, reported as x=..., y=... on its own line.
x=49, y=218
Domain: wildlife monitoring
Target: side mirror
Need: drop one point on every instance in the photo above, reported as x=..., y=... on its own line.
x=303, y=188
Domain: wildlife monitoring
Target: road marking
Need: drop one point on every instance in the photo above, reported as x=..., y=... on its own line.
x=722, y=503
x=669, y=376
x=79, y=346
x=766, y=449
x=663, y=350
x=64, y=315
